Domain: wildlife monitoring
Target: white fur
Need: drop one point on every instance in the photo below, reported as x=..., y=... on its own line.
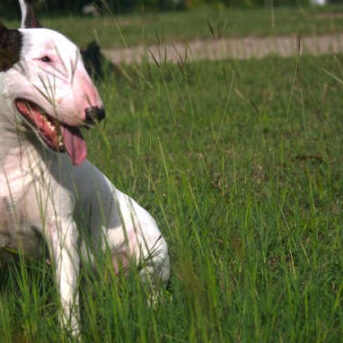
x=42, y=192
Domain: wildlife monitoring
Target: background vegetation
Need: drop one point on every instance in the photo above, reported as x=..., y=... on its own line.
x=205, y=23
x=240, y=162
x=120, y=6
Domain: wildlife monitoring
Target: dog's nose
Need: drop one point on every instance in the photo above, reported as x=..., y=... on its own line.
x=94, y=114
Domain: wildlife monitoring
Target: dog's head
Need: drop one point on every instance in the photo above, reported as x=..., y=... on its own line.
x=48, y=85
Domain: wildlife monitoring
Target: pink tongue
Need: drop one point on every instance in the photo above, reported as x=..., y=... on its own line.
x=75, y=144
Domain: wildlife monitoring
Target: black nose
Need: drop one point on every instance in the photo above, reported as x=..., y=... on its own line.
x=94, y=115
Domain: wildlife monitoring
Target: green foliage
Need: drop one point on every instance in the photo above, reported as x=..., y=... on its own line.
x=122, y=6
x=241, y=164
x=189, y=4
x=256, y=3
x=126, y=5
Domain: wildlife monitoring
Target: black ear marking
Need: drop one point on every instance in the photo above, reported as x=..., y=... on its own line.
x=28, y=16
x=11, y=42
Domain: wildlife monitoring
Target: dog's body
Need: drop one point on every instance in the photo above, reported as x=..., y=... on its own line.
x=59, y=199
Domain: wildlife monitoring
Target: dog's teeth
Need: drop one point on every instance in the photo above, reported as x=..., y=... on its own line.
x=50, y=126
x=60, y=142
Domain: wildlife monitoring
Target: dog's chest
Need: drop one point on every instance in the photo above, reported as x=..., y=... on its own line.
x=17, y=206
x=15, y=232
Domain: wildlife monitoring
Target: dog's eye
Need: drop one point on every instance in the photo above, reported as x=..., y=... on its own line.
x=46, y=59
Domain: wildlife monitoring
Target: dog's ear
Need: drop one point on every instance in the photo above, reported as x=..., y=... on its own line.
x=11, y=42
x=28, y=16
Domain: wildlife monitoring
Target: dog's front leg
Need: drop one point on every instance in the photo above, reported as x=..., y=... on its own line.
x=63, y=250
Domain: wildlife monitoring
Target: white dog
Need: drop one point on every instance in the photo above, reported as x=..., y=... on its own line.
x=49, y=192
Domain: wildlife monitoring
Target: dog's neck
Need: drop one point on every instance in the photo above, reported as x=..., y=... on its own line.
x=12, y=139
x=23, y=159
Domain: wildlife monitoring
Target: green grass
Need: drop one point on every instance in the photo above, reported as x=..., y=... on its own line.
x=204, y=23
x=241, y=164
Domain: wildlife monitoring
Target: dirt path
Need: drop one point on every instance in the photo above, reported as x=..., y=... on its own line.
x=237, y=48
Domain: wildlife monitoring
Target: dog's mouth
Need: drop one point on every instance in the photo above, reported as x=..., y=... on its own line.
x=58, y=136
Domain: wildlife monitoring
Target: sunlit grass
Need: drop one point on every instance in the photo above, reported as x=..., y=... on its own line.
x=247, y=191
x=241, y=165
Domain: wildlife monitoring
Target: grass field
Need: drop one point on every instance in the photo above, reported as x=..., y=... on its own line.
x=241, y=164
x=203, y=23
